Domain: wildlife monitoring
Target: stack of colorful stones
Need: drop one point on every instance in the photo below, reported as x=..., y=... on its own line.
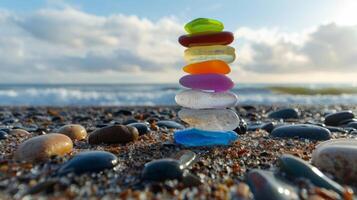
x=207, y=99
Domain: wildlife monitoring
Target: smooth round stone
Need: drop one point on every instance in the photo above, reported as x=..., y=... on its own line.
x=116, y=134
x=305, y=131
x=200, y=25
x=335, y=119
x=352, y=125
x=169, y=124
x=200, y=138
x=208, y=67
x=286, y=113
x=337, y=157
x=210, y=119
x=242, y=128
x=206, y=39
x=74, y=131
x=197, y=99
x=206, y=53
x=89, y=162
x=19, y=132
x=297, y=168
x=265, y=185
x=143, y=128
x=209, y=82
x=163, y=169
x=42, y=147
x=3, y=135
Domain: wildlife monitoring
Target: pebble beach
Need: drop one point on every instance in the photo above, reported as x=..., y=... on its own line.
x=44, y=154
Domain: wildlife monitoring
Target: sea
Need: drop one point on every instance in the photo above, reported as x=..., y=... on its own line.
x=164, y=94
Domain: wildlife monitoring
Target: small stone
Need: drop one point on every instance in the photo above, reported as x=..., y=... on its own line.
x=268, y=127
x=265, y=185
x=89, y=162
x=208, y=82
x=74, y=131
x=287, y=113
x=201, y=25
x=143, y=128
x=337, y=157
x=242, y=128
x=113, y=135
x=305, y=131
x=210, y=119
x=190, y=180
x=3, y=135
x=42, y=147
x=206, y=53
x=196, y=137
x=19, y=132
x=123, y=112
x=334, y=119
x=352, y=125
x=162, y=169
x=206, y=39
x=185, y=157
x=169, y=124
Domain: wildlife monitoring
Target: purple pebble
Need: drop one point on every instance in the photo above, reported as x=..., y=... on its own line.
x=215, y=82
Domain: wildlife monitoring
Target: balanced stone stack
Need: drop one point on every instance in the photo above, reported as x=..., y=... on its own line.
x=208, y=97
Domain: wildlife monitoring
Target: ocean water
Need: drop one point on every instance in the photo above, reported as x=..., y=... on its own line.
x=163, y=94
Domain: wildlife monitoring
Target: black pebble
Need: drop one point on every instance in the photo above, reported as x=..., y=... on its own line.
x=306, y=131
x=163, y=169
x=335, y=119
x=286, y=113
x=3, y=135
x=169, y=124
x=143, y=128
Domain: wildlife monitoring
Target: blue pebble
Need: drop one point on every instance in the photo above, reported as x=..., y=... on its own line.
x=196, y=137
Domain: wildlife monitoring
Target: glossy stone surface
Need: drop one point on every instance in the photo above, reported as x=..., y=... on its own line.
x=40, y=148
x=206, y=39
x=89, y=162
x=242, y=128
x=337, y=157
x=352, y=125
x=162, y=169
x=286, y=113
x=169, y=124
x=197, y=138
x=143, y=128
x=306, y=131
x=210, y=119
x=207, y=67
x=200, y=25
x=74, y=131
x=297, y=168
x=211, y=82
x=114, y=135
x=205, y=53
x=197, y=99
x=267, y=186
x=335, y=119
x=185, y=157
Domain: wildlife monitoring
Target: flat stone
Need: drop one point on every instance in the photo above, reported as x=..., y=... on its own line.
x=143, y=128
x=198, y=138
x=286, y=113
x=40, y=148
x=201, y=25
x=210, y=119
x=265, y=185
x=74, y=131
x=89, y=162
x=163, y=169
x=169, y=124
x=337, y=157
x=305, y=131
x=206, y=39
x=209, y=82
x=197, y=99
x=334, y=119
x=206, y=53
x=19, y=132
x=352, y=125
x=208, y=67
x=115, y=134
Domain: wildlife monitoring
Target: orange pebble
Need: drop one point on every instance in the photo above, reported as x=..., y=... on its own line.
x=207, y=67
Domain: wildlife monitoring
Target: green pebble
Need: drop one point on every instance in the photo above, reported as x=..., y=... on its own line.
x=200, y=25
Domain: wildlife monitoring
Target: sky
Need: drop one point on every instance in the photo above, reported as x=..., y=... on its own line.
x=117, y=41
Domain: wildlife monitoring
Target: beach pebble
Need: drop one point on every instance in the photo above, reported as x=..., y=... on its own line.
x=113, y=135
x=297, y=168
x=19, y=132
x=213, y=52
x=143, y=128
x=206, y=39
x=335, y=119
x=3, y=135
x=197, y=99
x=74, y=131
x=242, y=128
x=209, y=82
x=306, y=131
x=286, y=113
x=337, y=157
x=89, y=162
x=42, y=147
x=352, y=125
x=162, y=169
x=201, y=25
x=185, y=157
x=265, y=185
x=210, y=119
x=169, y=124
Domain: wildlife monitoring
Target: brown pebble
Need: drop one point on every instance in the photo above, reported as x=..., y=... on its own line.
x=74, y=131
x=42, y=147
x=19, y=132
x=243, y=191
x=113, y=135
